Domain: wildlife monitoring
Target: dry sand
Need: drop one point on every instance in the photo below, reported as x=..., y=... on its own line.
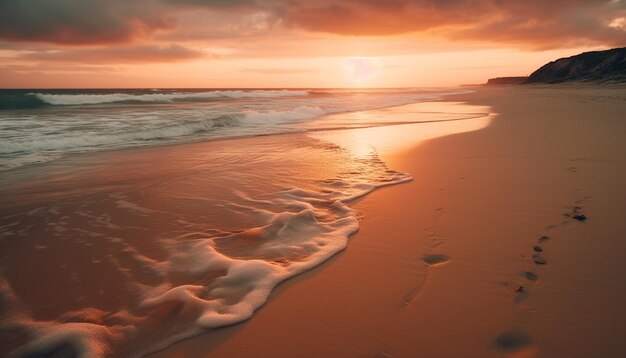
x=445, y=266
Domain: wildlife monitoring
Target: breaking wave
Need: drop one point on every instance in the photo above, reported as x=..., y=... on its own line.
x=253, y=120
x=82, y=99
x=41, y=126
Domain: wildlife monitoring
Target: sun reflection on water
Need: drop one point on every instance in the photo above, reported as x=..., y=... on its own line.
x=412, y=124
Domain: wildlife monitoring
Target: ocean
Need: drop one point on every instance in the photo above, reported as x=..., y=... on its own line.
x=42, y=125
x=132, y=219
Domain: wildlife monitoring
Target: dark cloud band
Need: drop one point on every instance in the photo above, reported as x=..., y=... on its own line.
x=118, y=54
x=536, y=22
x=80, y=21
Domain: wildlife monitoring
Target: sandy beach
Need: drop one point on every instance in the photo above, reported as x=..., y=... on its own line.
x=483, y=223
x=508, y=242
x=295, y=178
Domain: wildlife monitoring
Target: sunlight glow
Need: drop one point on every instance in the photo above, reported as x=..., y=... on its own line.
x=361, y=69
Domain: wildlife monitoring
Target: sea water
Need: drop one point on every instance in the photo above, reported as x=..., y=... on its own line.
x=42, y=125
x=130, y=220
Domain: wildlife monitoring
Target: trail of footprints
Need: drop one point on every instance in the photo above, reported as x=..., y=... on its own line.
x=538, y=251
x=433, y=234
x=432, y=259
x=516, y=340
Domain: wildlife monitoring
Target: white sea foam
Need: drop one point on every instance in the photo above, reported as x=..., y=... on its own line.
x=249, y=119
x=279, y=117
x=81, y=99
x=304, y=228
x=87, y=140
x=45, y=134
x=178, y=265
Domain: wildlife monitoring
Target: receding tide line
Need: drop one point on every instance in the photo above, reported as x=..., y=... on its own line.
x=349, y=223
x=305, y=228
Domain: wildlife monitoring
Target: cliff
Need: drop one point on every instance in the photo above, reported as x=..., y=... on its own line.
x=597, y=66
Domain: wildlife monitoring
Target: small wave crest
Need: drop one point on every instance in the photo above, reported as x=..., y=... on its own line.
x=72, y=121
x=85, y=99
x=276, y=117
x=87, y=140
x=246, y=122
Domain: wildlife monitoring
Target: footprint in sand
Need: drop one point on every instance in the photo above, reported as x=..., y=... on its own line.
x=435, y=259
x=521, y=294
x=530, y=276
x=512, y=341
x=428, y=260
x=576, y=212
x=523, y=290
x=539, y=260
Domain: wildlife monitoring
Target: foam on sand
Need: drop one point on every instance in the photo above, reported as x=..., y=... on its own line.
x=143, y=248
x=206, y=279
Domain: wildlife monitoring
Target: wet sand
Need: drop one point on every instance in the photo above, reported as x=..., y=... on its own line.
x=486, y=253
x=135, y=249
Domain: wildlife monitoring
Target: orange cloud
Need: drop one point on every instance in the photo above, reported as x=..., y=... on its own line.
x=124, y=54
x=539, y=23
x=278, y=71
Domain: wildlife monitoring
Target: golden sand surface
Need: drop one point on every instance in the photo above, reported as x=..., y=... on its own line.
x=483, y=254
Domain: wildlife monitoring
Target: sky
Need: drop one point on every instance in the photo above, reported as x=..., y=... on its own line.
x=293, y=43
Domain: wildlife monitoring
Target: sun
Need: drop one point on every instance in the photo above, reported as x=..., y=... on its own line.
x=361, y=70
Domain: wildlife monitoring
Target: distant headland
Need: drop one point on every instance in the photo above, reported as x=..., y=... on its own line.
x=607, y=66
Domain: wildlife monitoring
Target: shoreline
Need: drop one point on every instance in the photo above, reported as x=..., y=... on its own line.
x=225, y=133
x=138, y=219
x=483, y=200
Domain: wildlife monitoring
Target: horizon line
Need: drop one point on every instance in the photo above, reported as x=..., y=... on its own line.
x=225, y=88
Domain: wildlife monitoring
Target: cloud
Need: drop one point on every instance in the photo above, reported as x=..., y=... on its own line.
x=125, y=54
x=80, y=21
x=537, y=23
x=554, y=23
x=278, y=71
x=57, y=68
x=221, y=24
x=557, y=24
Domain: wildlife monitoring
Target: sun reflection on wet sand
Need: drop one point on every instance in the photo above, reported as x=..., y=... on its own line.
x=402, y=127
x=171, y=240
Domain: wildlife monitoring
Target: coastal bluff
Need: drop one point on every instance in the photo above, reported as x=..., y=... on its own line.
x=499, y=81
x=607, y=66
